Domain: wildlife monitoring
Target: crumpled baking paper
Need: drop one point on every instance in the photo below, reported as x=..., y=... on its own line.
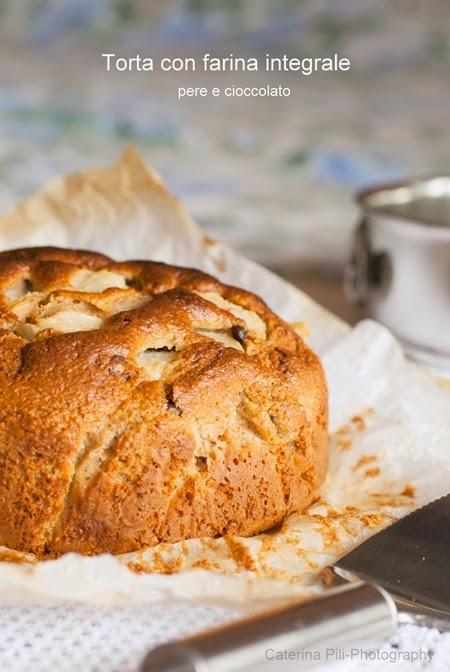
x=389, y=420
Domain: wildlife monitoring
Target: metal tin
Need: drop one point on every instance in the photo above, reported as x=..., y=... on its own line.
x=400, y=264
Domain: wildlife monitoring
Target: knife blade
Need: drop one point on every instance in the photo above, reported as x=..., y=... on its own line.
x=407, y=564
x=411, y=558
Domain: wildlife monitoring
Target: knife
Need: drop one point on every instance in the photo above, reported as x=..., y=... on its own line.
x=401, y=574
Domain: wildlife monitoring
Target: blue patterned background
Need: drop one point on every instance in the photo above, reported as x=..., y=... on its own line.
x=274, y=177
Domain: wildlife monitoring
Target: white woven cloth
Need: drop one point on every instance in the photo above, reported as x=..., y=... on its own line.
x=73, y=637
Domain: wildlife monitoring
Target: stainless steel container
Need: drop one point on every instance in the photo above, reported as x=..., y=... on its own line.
x=400, y=265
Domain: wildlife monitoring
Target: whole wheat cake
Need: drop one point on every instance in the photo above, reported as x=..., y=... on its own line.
x=144, y=403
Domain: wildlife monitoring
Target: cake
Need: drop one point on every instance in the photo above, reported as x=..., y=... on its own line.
x=143, y=403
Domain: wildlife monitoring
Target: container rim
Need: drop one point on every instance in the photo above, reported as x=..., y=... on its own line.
x=421, y=224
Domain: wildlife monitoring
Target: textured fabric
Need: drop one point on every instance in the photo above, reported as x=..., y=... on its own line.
x=76, y=637
x=73, y=637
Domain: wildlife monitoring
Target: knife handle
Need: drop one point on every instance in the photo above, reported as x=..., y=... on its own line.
x=357, y=614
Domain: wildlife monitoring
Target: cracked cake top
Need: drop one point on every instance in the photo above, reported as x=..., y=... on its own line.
x=144, y=403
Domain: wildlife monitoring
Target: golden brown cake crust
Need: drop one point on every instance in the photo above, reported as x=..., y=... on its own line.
x=141, y=403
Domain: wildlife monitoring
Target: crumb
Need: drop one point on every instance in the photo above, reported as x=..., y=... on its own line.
x=327, y=577
x=301, y=329
x=365, y=459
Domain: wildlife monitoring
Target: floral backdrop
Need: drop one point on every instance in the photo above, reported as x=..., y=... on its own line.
x=274, y=177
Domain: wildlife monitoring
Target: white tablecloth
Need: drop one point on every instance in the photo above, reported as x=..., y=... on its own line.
x=76, y=637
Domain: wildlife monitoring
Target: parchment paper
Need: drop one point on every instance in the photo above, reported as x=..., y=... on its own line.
x=389, y=420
